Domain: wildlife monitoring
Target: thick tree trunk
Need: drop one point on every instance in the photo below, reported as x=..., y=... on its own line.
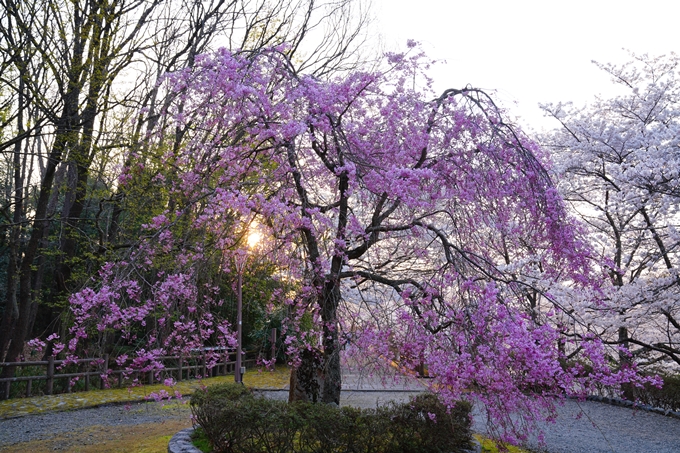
x=81, y=155
x=40, y=224
x=306, y=381
x=332, y=377
x=323, y=377
x=11, y=311
x=319, y=376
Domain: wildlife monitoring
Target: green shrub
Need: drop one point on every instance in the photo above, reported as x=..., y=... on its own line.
x=273, y=428
x=666, y=397
x=219, y=410
x=237, y=422
x=329, y=429
x=425, y=425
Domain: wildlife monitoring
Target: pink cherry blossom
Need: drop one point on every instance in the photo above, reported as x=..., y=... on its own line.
x=414, y=228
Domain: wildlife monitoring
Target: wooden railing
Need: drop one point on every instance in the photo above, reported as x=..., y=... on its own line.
x=91, y=370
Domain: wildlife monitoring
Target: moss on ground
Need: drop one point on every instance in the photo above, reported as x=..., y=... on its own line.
x=489, y=446
x=144, y=438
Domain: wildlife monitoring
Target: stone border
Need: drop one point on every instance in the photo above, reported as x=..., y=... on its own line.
x=181, y=442
x=476, y=447
x=633, y=405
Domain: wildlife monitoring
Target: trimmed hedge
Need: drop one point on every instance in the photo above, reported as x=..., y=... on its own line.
x=235, y=421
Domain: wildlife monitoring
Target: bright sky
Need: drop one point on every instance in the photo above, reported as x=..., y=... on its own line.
x=530, y=51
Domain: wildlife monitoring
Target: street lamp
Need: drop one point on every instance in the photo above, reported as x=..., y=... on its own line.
x=252, y=240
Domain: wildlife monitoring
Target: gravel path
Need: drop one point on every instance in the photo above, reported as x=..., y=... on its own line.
x=601, y=428
x=582, y=427
x=592, y=427
x=46, y=426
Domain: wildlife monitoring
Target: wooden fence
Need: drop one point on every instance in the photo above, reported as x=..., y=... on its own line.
x=90, y=371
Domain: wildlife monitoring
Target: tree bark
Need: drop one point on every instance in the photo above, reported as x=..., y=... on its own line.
x=11, y=311
x=332, y=376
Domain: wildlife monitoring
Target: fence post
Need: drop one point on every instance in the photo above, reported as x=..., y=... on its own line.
x=105, y=372
x=205, y=369
x=179, y=371
x=87, y=375
x=272, y=340
x=50, y=375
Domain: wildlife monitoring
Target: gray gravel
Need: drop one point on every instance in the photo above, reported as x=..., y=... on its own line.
x=602, y=428
x=45, y=426
x=592, y=427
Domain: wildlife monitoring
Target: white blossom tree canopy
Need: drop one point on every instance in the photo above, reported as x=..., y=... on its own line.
x=619, y=163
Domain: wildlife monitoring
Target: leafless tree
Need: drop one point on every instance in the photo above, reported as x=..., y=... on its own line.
x=75, y=76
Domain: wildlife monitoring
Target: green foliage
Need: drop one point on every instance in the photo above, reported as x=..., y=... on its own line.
x=201, y=441
x=236, y=421
x=177, y=245
x=666, y=397
x=272, y=426
x=329, y=429
x=218, y=410
x=221, y=393
x=426, y=425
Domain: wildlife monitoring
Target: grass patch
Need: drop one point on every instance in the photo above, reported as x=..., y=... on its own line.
x=201, y=441
x=156, y=444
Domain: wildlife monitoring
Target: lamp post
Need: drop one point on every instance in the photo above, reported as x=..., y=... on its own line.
x=253, y=239
x=238, y=372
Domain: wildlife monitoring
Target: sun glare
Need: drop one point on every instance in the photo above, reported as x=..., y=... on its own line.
x=254, y=238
